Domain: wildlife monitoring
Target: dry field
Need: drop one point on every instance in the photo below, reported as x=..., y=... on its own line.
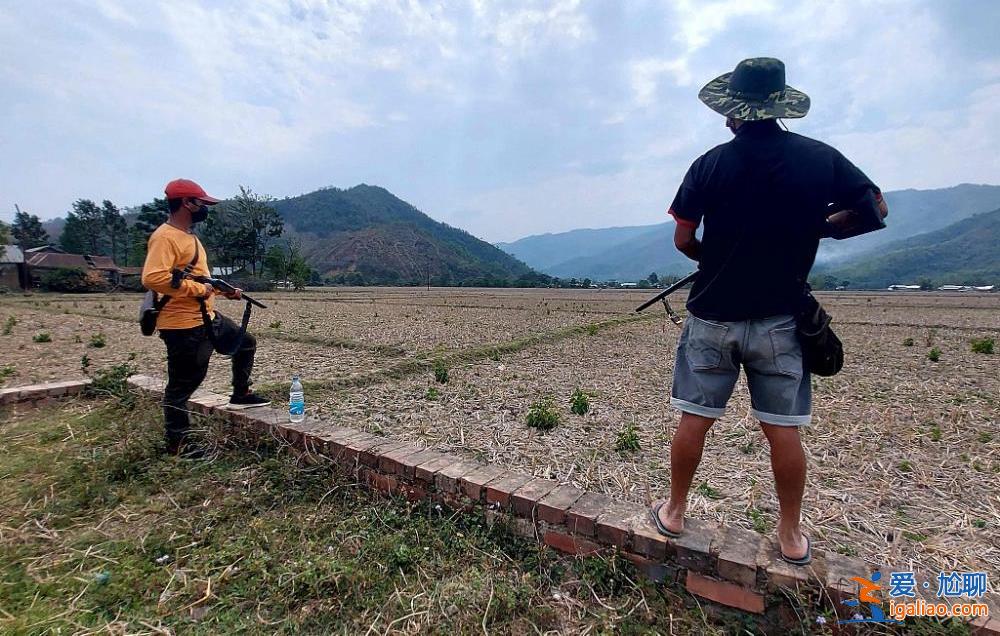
x=904, y=452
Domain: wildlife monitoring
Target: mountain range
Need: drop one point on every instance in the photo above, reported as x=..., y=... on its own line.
x=367, y=235
x=632, y=253
x=963, y=253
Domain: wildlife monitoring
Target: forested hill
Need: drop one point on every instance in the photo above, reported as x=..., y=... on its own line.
x=366, y=235
x=964, y=253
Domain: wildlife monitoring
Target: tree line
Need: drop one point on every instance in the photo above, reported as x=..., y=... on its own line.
x=244, y=233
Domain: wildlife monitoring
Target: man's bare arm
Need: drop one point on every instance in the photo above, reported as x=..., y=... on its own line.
x=686, y=241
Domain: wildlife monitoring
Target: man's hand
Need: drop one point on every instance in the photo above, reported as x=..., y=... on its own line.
x=236, y=294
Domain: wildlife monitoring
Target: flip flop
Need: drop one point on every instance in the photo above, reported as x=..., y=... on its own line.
x=654, y=512
x=805, y=559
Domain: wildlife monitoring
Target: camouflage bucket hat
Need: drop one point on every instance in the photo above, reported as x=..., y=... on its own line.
x=755, y=90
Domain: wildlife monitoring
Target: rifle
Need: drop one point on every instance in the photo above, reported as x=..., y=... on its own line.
x=663, y=296
x=217, y=283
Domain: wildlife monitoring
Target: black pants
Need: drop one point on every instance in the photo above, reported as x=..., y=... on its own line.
x=188, y=353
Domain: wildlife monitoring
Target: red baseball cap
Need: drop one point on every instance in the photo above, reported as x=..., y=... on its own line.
x=185, y=188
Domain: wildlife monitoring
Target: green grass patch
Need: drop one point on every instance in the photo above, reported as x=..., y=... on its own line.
x=42, y=337
x=983, y=345
x=579, y=403
x=934, y=354
x=102, y=533
x=542, y=415
x=628, y=440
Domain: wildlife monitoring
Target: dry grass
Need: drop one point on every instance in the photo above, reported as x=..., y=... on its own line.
x=904, y=453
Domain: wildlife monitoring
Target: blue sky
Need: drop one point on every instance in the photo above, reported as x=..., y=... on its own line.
x=505, y=119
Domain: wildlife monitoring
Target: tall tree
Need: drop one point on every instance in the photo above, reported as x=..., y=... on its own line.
x=241, y=230
x=151, y=215
x=84, y=229
x=4, y=233
x=116, y=230
x=27, y=230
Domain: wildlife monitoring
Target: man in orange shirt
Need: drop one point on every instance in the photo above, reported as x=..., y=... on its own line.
x=182, y=322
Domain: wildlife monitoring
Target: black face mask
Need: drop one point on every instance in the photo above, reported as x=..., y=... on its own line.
x=200, y=214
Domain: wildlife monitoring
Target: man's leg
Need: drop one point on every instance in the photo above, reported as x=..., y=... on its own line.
x=788, y=461
x=243, y=365
x=226, y=333
x=685, y=455
x=188, y=353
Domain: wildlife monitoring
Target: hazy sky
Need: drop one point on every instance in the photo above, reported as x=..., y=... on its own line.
x=504, y=119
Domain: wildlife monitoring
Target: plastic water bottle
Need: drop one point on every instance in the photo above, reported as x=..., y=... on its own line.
x=296, y=401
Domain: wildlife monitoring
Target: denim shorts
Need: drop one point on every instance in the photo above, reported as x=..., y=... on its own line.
x=709, y=357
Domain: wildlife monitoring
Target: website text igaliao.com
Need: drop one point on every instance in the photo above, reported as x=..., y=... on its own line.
x=899, y=610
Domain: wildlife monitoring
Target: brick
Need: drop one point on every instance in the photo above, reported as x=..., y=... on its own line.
x=427, y=471
x=499, y=490
x=985, y=626
x=647, y=541
x=694, y=545
x=349, y=450
x=614, y=526
x=370, y=456
x=725, y=593
x=738, y=555
x=407, y=466
x=581, y=517
x=390, y=462
x=781, y=574
x=839, y=570
x=655, y=571
x=473, y=483
x=569, y=544
x=383, y=483
x=552, y=507
x=447, y=479
x=523, y=499
x=8, y=396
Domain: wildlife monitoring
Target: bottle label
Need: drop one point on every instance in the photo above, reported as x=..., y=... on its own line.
x=297, y=408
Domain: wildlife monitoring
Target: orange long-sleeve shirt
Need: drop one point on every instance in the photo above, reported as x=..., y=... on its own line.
x=168, y=248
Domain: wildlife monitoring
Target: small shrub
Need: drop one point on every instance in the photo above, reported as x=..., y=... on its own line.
x=934, y=354
x=935, y=433
x=85, y=363
x=628, y=440
x=979, y=523
x=97, y=341
x=906, y=466
x=113, y=381
x=275, y=325
x=908, y=342
x=7, y=371
x=42, y=337
x=707, y=491
x=983, y=345
x=8, y=326
x=542, y=415
x=432, y=394
x=440, y=372
x=758, y=521
x=579, y=403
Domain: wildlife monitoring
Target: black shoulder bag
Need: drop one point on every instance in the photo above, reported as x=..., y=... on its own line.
x=153, y=303
x=821, y=348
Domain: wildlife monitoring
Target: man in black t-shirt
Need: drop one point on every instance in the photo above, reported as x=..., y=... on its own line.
x=763, y=198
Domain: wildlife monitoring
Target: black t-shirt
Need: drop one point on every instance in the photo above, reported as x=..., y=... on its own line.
x=763, y=198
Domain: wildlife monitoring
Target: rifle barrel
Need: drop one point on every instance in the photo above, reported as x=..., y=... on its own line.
x=666, y=292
